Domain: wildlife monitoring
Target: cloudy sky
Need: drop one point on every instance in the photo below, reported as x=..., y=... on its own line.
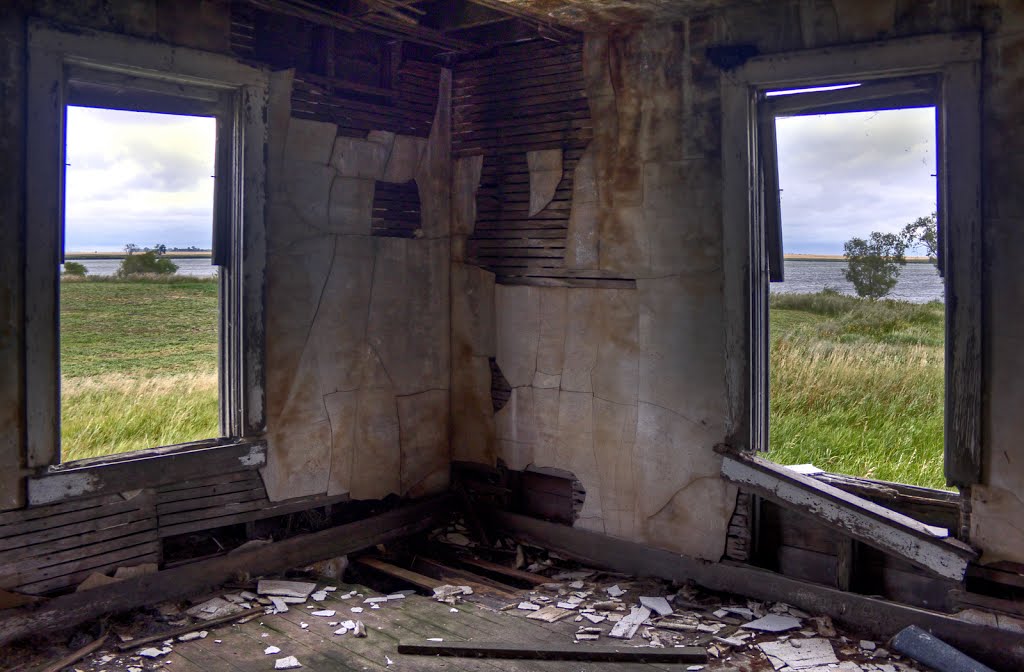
x=845, y=175
x=138, y=178
x=145, y=178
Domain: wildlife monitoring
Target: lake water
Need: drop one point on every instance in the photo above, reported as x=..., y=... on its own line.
x=198, y=267
x=918, y=283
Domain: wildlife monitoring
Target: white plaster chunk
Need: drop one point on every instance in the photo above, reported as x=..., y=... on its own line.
x=287, y=663
x=518, y=326
x=404, y=160
x=800, y=654
x=353, y=157
x=773, y=623
x=465, y=181
x=351, y=206
x=659, y=605
x=309, y=189
x=628, y=625
x=299, y=589
x=310, y=141
x=582, y=240
x=545, y=167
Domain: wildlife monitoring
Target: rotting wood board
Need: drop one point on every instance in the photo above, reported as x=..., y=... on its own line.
x=863, y=520
x=593, y=653
x=70, y=610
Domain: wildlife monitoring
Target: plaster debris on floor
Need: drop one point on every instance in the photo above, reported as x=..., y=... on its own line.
x=453, y=589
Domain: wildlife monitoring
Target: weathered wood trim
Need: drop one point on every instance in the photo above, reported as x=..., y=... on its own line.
x=184, y=581
x=146, y=469
x=738, y=198
x=960, y=226
x=597, y=653
x=1000, y=648
x=863, y=520
x=953, y=59
x=44, y=176
x=874, y=60
x=88, y=56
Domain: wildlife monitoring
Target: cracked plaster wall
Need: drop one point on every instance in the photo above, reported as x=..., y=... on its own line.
x=357, y=325
x=623, y=388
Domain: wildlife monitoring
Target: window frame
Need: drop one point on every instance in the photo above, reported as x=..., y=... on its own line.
x=145, y=76
x=954, y=60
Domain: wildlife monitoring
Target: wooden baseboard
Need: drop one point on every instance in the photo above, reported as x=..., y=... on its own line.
x=1000, y=649
x=187, y=580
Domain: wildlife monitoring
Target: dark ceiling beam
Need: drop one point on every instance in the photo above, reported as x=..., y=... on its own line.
x=380, y=25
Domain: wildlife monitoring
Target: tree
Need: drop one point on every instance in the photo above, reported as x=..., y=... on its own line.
x=74, y=268
x=145, y=263
x=160, y=249
x=873, y=265
x=923, y=232
x=131, y=248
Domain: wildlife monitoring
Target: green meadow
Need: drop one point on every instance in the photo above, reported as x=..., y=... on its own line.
x=138, y=363
x=857, y=386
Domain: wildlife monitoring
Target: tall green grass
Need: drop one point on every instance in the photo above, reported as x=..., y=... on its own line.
x=138, y=363
x=857, y=386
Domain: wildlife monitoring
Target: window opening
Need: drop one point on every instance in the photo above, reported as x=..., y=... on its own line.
x=140, y=300
x=856, y=369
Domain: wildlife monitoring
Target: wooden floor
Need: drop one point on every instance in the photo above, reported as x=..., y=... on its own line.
x=414, y=619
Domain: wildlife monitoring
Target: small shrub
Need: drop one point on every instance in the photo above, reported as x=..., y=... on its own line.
x=75, y=269
x=873, y=264
x=147, y=263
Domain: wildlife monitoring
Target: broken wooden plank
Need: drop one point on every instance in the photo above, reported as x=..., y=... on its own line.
x=179, y=582
x=452, y=575
x=540, y=651
x=427, y=583
x=517, y=574
x=75, y=656
x=998, y=648
x=874, y=525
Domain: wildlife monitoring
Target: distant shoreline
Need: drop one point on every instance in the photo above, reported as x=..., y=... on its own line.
x=177, y=254
x=839, y=257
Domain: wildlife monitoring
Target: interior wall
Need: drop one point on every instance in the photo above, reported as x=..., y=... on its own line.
x=357, y=324
x=625, y=388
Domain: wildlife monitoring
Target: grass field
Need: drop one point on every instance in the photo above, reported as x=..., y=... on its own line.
x=138, y=362
x=857, y=386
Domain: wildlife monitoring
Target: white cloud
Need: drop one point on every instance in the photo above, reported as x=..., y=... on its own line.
x=138, y=177
x=845, y=175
